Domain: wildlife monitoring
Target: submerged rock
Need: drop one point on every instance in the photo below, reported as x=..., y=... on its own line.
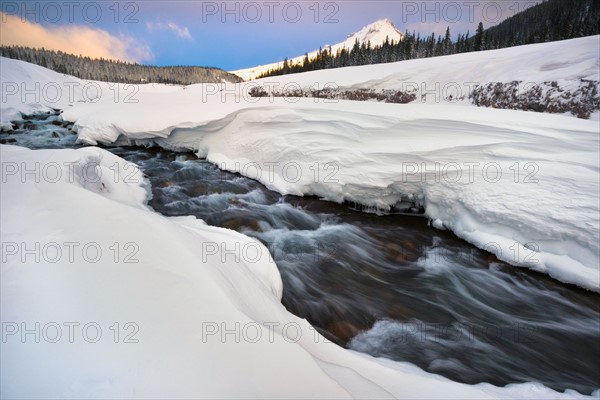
x=28, y=125
x=343, y=330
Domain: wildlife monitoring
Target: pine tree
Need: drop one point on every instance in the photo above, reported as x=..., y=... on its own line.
x=447, y=42
x=479, y=38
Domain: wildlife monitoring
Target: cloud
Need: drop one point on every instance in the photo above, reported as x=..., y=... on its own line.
x=73, y=39
x=182, y=32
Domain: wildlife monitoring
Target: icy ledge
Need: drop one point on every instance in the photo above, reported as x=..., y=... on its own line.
x=164, y=294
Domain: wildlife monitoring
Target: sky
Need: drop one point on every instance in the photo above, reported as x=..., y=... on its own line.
x=227, y=34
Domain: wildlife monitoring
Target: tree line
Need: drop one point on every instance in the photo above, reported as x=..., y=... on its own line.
x=116, y=71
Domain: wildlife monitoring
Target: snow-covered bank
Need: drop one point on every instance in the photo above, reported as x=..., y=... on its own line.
x=526, y=187
x=172, y=294
x=522, y=188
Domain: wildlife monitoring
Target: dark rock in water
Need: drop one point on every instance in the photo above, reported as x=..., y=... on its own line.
x=243, y=224
x=30, y=126
x=399, y=311
x=9, y=140
x=166, y=184
x=343, y=330
x=233, y=224
x=186, y=157
x=402, y=207
x=57, y=123
x=254, y=225
x=55, y=135
x=395, y=252
x=197, y=191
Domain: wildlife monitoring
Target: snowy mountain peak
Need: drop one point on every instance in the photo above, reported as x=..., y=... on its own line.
x=376, y=33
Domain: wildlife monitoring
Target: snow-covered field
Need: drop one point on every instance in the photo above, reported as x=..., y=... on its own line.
x=564, y=61
x=522, y=185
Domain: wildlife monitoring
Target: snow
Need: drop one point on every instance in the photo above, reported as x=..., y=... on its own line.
x=179, y=295
x=545, y=217
x=376, y=33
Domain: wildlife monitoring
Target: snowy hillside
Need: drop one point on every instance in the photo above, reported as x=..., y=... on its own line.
x=523, y=77
x=376, y=33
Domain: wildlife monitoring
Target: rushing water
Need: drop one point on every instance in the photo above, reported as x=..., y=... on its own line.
x=390, y=286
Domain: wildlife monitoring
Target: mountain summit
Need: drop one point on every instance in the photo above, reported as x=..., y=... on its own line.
x=375, y=32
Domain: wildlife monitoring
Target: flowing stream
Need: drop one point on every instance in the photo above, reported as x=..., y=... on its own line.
x=390, y=286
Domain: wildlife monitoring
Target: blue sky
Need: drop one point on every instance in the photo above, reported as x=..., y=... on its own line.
x=229, y=35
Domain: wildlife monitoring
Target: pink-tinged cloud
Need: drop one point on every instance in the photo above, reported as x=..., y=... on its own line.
x=73, y=39
x=181, y=31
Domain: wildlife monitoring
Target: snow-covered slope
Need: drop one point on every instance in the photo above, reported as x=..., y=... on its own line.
x=571, y=60
x=150, y=312
x=17, y=77
x=544, y=75
x=376, y=33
